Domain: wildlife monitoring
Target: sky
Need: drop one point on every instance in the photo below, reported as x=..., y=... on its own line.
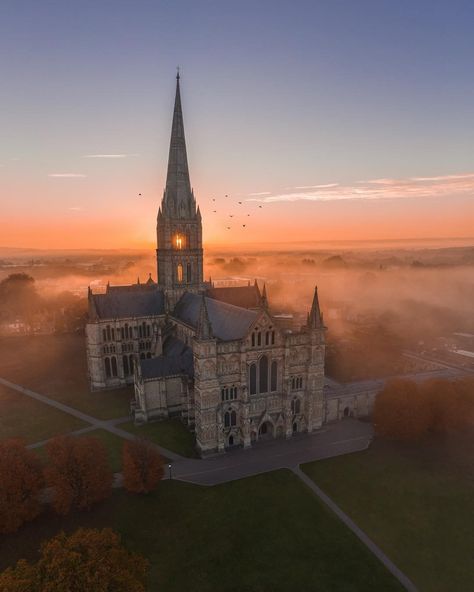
x=343, y=120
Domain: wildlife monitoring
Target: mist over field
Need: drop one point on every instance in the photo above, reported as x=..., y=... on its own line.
x=377, y=300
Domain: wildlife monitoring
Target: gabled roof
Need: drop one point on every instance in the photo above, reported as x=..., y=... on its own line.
x=243, y=296
x=137, y=300
x=228, y=322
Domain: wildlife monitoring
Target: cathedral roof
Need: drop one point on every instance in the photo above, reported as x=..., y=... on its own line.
x=228, y=322
x=242, y=296
x=137, y=300
x=177, y=359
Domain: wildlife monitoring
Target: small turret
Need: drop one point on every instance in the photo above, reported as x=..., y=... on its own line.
x=315, y=319
x=263, y=297
x=204, y=327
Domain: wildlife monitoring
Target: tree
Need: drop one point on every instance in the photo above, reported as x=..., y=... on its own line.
x=18, y=296
x=400, y=411
x=142, y=466
x=20, y=484
x=89, y=559
x=78, y=472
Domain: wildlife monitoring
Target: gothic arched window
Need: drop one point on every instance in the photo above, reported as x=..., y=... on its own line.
x=179, y=273
x=188, y=273
x=253, y=379
x=263, y=374
x=126, y=370
x=227, y=419
x=107, y=367
x=273, y=376
x=114, y=365
x=233, y=418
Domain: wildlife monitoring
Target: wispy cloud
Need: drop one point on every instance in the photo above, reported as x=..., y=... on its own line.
x=67, y=175
x=316, y=186
x=261, y=193
x=421, y=187
x=76, y=209
x=109, y=155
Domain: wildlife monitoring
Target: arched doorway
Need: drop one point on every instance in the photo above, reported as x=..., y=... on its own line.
x=231, y=440
x=346, y=411
x=266, y=430
x=295, y=427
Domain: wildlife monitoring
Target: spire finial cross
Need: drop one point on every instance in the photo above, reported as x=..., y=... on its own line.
x=177, y=72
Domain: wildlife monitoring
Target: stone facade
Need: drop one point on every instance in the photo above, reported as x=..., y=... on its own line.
x=217, y=358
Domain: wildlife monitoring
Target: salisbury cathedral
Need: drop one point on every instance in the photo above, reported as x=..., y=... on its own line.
x=216, y=357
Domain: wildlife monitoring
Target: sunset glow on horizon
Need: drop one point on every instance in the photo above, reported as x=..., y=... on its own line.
x=306, y=142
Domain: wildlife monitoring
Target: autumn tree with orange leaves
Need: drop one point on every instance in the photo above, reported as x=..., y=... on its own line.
x=142, y=466
x=88, y=560
x=78, y=472
x=20, y=483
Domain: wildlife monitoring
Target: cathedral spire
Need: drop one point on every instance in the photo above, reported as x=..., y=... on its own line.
x=178, y=200
x=315, y=318
x=204, y=327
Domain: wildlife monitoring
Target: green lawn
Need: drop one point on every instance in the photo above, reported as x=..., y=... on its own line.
x=264, y=534
x=416, y=502
x=170, y=433
x=23, y=417
x=55, y=365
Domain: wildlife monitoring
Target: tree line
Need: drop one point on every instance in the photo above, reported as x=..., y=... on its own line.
x=407, y=410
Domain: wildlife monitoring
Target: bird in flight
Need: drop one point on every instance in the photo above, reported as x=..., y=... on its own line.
x=214, y=211
x=260, y=206
x=243, y=225
x=231, y=215
x=240, y=202
x=228, y=227
x=139, y=195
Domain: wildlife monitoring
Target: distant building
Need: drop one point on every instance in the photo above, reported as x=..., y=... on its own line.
x=214, y=356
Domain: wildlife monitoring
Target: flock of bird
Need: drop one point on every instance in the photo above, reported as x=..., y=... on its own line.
x=230, y=215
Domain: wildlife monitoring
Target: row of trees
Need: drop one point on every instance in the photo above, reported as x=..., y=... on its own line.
x=406, y=410
x=76, y=476
x=20, y=301
x=88, y=559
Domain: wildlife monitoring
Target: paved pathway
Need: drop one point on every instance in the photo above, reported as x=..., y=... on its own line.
x=333, y=440
x=94, y=423
x=339, y=438
x=392, y=568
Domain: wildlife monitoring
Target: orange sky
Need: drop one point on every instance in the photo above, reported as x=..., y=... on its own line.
x=443, y=209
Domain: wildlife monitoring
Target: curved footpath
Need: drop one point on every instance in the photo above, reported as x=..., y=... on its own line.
x=343, y=437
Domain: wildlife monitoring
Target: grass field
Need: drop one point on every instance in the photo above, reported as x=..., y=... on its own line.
x=170, y=433
x=415, y=502
x=55, y=365
x=264, y=534
x=23, y=417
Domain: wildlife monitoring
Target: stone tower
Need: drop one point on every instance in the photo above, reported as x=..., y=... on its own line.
x=179, y=229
